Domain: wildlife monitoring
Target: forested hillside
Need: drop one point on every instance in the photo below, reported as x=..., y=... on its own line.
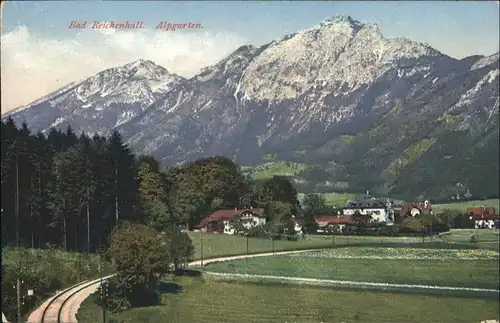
x=69, y=191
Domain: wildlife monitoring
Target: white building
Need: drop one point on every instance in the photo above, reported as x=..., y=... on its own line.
x=220, y=221
x=379, y=210
x=248, y=217
x=484, y=224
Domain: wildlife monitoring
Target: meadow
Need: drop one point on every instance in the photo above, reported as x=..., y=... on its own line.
x=209, y=299
x=488, y=239
x=333, y=199
x=195, y=299
x=469, y=268
x=226, y=245
x=274, y=168
x=462, y=206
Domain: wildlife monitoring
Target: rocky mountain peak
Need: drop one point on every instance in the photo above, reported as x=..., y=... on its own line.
x=340, y=54
x=342, y=20
x=147, y=69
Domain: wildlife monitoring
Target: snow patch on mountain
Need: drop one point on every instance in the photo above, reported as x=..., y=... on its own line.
x=337, y=50
x=57, y=122
x=468, y=96
x=486, y=61
x=104, y=101
x=40, y=100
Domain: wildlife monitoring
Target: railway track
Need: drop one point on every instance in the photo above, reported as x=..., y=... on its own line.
x=53, y=310
x=62, y=307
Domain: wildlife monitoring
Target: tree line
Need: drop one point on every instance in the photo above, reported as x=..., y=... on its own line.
x=69, y=191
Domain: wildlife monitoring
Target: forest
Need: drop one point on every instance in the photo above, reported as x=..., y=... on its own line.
x=69, y=191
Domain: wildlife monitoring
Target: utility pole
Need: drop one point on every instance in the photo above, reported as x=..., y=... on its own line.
x=18, y=290
x=247, y=242
x=201, y=233
x=104, y=290
x=103, y=286
x=272, y=241
x=246, y=258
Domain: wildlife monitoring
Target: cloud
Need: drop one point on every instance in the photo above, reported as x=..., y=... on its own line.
x=33, y=66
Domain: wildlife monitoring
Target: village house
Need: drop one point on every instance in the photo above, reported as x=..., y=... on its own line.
x=335, y=224
x=483, y=217
x=338, y=224
x=379, y=209
x=298, y=224
x=220, y=221
x=414, y=209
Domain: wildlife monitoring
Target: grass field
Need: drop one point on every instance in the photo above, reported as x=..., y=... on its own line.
x=224, y=245
x=194, y=300
x=274, y=168
x=333, y=199
x=454, y=268
x=488, y=239
x=197, y=299
x=462, y=206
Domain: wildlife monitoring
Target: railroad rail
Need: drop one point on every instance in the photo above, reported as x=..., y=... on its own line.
x=51, y=311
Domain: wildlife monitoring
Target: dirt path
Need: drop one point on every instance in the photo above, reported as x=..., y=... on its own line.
x=330, y=282
x=78, y=294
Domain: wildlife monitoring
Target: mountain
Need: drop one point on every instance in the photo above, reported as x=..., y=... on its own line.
x=389, y=114
x=101, y=102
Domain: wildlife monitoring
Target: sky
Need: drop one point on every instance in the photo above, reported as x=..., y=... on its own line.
x=40, y=54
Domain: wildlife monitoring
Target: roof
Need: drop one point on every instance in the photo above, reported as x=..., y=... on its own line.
x=334, y=219
x=481, y=210
x=419, y=206
x=369, y=203
x=222, y=215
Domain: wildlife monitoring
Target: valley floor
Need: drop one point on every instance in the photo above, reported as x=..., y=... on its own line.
x=191, y=300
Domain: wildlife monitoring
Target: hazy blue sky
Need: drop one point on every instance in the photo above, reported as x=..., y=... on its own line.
x=38, y=48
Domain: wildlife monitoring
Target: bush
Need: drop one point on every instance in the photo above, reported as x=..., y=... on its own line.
x=257, y=232
x=44, y=271
x=141, y=256
x=292, y=237
x=474, y=238
x=116, y=298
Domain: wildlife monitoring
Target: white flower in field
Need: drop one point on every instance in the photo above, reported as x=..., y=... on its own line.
x=402, y=253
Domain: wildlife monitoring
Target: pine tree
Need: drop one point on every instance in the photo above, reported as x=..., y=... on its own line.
x=123, y=170
x=153, y=193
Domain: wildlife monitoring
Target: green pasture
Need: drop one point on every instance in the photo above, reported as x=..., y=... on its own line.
x=195, y=300
x=205, y=299
x=225, y=245
x=376, y=265
x=275, y=168
x=333, y=199
x=488, y=238
x=462, y=206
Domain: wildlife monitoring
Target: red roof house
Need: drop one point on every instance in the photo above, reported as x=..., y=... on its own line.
x=481, y=213
x=326, y=220
x=215, y=221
